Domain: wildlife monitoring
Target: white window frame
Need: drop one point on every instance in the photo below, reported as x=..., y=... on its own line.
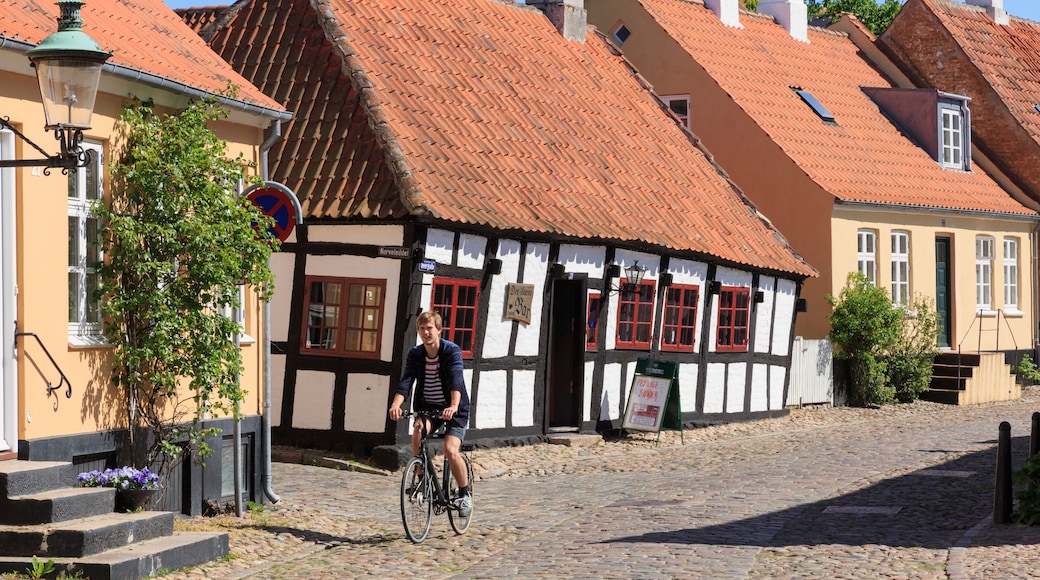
x=984, y=273
x=239, y=316
x=615, y=33
x=84, y=331
x=668, y=100
x=1011, y=275
x=900, y=267
x=952, y=145
x=866, y=254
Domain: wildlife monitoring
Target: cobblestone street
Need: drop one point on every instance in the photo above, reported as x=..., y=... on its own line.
x=905, y=491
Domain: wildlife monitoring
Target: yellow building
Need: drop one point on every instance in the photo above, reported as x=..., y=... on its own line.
x=57, y=401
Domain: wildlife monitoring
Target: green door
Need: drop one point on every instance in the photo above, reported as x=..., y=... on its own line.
x=943, y=299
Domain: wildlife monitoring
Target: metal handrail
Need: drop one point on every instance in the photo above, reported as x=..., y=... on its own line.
x=996, y=347
x=64, y=380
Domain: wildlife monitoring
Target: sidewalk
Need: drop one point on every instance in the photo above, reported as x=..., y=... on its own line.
x=902, y=491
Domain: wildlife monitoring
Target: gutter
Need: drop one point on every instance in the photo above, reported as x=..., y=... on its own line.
x=275, y=133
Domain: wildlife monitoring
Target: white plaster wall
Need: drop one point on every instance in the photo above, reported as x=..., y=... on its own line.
x=282, y=266
x=688, y=374
x=471, y=251
x=277, y=380
x=611, y=392
x=439, y=246
x=760, y=387
x=764, y=314
x=362, y=267
x=499, y=330
x=491, y=404
x=583, y=259
x=312, y=408
x=777, y=376
x=523, y=398
x=370, y=235
x=366, y=394
x=586, y=415
x=536, y=265
x=693, y=274
x=736, y=385
x=785, y=303
x=715, y=388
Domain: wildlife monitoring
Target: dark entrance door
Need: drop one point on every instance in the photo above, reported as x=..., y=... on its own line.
x=565, y=376
x=943, y=299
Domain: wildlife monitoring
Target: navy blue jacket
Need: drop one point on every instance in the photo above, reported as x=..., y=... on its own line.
x=451, y=377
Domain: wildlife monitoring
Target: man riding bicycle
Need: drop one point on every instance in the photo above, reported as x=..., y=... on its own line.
x=436, y=368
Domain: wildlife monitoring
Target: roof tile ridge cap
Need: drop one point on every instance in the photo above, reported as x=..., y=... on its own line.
x=408, y=188
x=699, y=145
x=224, y=15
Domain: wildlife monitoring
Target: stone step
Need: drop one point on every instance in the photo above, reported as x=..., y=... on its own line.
x=84, y=536
x=57, y=505
x=19, y=478
x=141, y=560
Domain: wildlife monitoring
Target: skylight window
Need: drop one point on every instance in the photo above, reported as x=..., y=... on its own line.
x=817, y=107
x=621, y=34
x=1037, y=107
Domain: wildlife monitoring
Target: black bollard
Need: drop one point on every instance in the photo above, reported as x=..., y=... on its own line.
x=1002, y=493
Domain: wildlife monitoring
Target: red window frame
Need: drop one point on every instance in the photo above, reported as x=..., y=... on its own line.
x=350, y=320
x=592, y=322
x=734, y=315
x=458, y=302
x=679, y=322
x=635, y=318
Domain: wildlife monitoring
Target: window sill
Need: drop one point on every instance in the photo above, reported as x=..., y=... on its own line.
x=88, y=341
x=1014, y=313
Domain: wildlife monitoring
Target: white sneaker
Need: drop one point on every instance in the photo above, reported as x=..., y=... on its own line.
x=465, y=504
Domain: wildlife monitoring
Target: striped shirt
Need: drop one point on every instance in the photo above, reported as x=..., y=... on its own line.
x=433, y=392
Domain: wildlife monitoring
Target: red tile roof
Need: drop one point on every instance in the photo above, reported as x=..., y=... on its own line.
x=143, y=35
x=478, y=112
x=864, y=157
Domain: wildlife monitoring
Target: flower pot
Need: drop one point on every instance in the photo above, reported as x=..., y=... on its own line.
x=133, y=500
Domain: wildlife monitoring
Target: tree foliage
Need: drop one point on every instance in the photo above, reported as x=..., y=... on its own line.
x=177, y=241
x=876, y=16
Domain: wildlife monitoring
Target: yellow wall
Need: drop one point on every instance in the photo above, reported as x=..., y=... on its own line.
x=42, y=230
x=962, y=229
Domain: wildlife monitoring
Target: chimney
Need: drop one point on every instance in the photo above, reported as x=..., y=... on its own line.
x=728, y=11
x=569, y=16
x=995, y=9
x=791, y=14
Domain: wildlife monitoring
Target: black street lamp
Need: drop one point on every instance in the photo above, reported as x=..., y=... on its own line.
x=68, y=67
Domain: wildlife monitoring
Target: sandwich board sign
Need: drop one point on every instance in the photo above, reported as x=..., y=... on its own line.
x=653, y=399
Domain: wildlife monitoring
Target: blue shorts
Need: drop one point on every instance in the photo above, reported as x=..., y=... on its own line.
x=453, y=428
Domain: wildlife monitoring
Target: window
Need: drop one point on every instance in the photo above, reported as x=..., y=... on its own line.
x=815, y=105
x=456, y=300
x=866, y=248
x=679, y=327
x=983, y=273
x=85, y=188
x=1011, y=273
x=681, y=107
x=635, y=316
x=952, y=139
x=344, y=316
x=592, y=320
x=239, y=315
x=733, y=319
x=621, y=34
x=901, y=268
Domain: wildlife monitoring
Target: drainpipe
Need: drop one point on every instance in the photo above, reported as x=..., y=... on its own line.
x=1035, y=239
x=274, y=136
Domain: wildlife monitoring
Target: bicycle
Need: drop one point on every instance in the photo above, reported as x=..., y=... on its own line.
x=423, y=495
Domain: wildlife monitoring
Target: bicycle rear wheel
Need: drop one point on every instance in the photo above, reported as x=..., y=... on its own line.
x=416, y=500
x=458, y=523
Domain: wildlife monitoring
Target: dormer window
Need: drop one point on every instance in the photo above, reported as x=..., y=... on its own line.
x=680, y=105
x=952, y=138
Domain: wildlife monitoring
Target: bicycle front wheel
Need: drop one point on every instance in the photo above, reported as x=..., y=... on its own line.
x=416, y=500
x=459, y=523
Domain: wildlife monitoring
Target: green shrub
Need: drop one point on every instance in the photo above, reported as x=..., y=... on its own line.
x=909, y=359
x=865, y=326
x=1028, y=499
x=1026, y=369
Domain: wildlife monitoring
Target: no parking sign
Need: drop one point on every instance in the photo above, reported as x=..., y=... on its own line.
x=278, y=202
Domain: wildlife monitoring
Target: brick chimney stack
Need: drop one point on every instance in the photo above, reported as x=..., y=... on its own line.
x=791, y=14
x=569, y=16
x=995, y=9
x=728, y=11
